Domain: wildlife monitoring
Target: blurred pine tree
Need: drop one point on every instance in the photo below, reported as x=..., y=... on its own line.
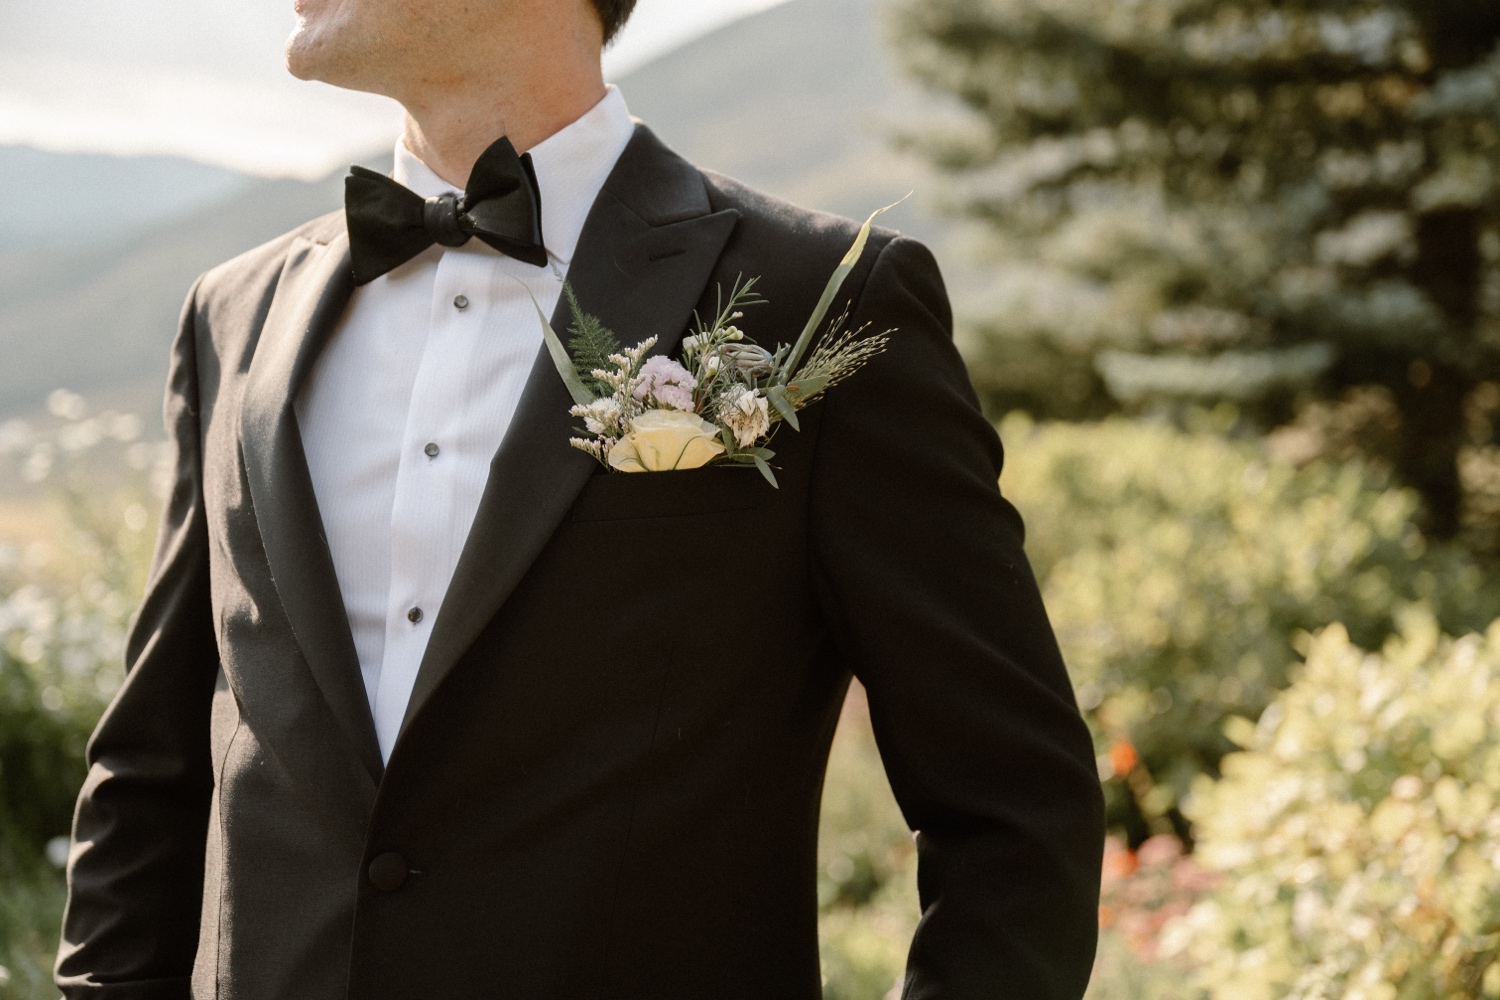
x=1255, y=200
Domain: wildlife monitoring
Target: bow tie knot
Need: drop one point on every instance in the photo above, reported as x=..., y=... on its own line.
x=390, y=224
x=440, y=217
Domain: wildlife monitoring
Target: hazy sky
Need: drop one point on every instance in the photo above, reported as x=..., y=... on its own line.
x=204, y=79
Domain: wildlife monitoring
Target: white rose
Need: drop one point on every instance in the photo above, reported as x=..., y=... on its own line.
x=663, y=440
x=748, y=415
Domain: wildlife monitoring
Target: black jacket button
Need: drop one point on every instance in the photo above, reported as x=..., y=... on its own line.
x=388, y=871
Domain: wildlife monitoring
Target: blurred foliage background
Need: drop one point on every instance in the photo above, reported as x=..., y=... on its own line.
x=1239, y=323
x=1255, y=200
x=78, y=501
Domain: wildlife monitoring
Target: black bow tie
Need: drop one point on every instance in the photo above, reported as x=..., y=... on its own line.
x=390, y=224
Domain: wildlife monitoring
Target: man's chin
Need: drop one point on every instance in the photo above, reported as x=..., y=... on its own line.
x=311, y=58
x=300, y=68
x=301, y=54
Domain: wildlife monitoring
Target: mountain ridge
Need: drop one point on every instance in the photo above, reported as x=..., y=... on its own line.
x=54, y=201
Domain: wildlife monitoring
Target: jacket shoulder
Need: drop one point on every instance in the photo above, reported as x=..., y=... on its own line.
x=257, y=270
x=795, y=248
x=767, y=217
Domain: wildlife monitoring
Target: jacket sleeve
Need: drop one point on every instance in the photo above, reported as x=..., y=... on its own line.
x=135, y=876
x=931, y=601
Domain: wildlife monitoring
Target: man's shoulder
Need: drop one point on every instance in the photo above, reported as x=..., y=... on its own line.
x=663, y=187
x=767, y=218
x=792, y=248
x=257, y=270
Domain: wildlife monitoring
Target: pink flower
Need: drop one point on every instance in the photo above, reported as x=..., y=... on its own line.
x=668, y=383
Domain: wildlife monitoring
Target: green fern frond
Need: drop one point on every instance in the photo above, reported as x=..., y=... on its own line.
x=591, y=342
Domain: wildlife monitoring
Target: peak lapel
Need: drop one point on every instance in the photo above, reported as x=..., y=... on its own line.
x=646, y=254
x=315, y=286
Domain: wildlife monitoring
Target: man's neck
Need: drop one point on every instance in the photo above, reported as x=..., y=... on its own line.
x=448, y=128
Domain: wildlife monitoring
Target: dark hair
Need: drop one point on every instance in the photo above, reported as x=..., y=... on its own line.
x=614, y=14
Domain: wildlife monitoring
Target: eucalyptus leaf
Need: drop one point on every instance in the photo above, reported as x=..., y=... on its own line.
x=765, y=470
x=777, y=395
x=562, y=361
x=805, y=388
x=832, y=289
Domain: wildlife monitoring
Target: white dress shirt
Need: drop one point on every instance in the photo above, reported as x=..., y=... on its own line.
x=413, y=394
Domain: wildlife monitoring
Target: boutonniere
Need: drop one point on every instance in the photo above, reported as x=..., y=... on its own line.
x=722, y=402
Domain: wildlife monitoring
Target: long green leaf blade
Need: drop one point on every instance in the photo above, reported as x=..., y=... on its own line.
x=562, y=361
x=832, y=289
x=765, y=470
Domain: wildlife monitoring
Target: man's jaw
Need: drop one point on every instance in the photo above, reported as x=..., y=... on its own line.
x=325, y=44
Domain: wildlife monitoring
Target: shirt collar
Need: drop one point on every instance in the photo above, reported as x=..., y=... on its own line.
x=571, y=168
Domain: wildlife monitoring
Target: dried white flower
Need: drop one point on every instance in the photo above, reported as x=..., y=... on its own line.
x=598, y=447
x=747, y=414
x=602, y=416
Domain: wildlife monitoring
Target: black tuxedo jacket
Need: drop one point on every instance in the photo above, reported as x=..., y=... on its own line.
x=608, y=779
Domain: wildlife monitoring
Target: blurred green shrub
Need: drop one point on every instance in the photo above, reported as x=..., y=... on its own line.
x=66, y=604
x=1142, y=892
x=1359, y=832
x=31, y=907
x=1120, y=973
x=867, y=864
x=78, y=515
x=1178, y=568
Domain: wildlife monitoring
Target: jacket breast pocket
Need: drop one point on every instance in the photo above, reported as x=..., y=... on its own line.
x=624, y=496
